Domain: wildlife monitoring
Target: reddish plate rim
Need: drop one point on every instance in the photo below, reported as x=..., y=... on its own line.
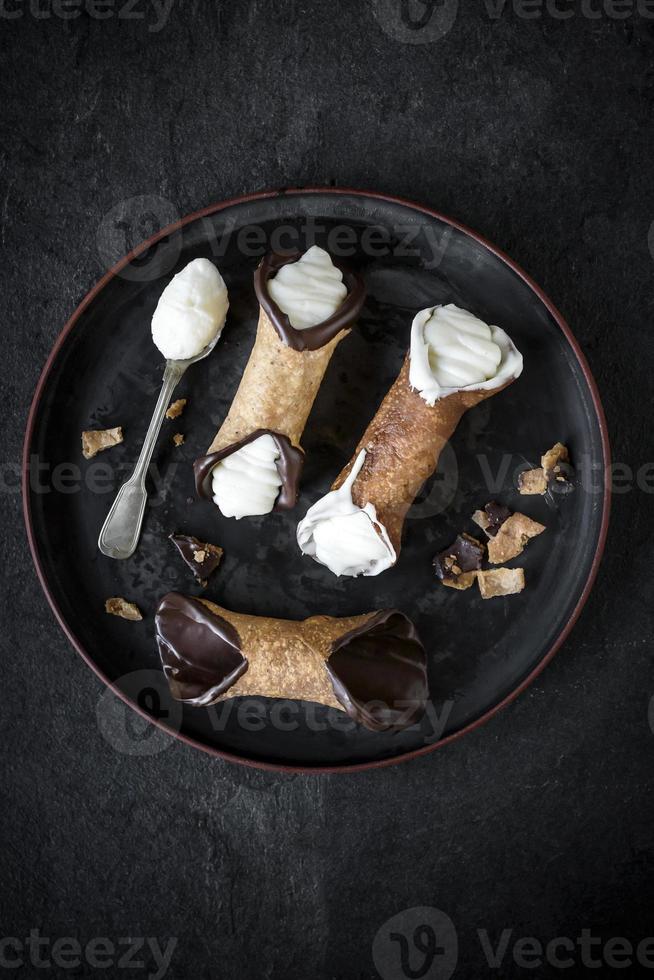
x=597, y=404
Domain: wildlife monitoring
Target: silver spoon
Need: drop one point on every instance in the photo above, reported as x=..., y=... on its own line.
x=121, y=531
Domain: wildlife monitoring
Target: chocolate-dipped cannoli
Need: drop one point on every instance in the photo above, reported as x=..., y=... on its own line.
x=307, y=306
x=373, y=667
x=454, y=362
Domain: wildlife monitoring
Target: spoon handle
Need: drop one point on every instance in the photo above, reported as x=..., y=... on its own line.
x=121, y=531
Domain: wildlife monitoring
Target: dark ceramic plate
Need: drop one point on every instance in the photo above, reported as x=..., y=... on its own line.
x=104, y=371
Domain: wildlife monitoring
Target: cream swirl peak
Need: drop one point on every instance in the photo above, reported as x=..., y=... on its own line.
x=310, y=290
x=347, y=539
x=247, y=483
x=453, y=350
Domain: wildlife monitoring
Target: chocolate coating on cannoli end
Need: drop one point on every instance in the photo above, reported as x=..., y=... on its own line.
x=310, y=338
x=200, y=651
x=289, y=466
x=379, y=672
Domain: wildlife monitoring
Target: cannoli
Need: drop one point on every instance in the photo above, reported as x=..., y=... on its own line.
x=454, y=362
x=373, y=667
x=307, y=306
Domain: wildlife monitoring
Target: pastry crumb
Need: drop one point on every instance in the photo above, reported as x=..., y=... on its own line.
x=121, y=607
x=531, y=482
x=512, y=538
x=95, y=441
x=551, y=459
x=500, y=581
x=199, y=556
x=461, y=581
x=554, y=466
x=176, y=409
x=178, y=439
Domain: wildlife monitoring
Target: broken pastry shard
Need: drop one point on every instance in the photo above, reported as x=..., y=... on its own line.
x=532, y=482
x=500, y=581
x=200, y=556
x=253, y=465
x=463, y=581
x=94, y=441
x=356, y=529
x=176, y=409
x=121, y=607
x=551, y=459
x=554, y=467
x=512, y=537
x=373, y=666
x=454, y=565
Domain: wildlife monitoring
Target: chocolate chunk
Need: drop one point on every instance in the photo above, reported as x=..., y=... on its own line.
x=315, y=337
x=289, y=466
x=497, y=514
x=464, y=555
x=379, y=673
x=563, y=479
x=121, y=607
x=491, y=518
x=200, y=651
x=200, y=556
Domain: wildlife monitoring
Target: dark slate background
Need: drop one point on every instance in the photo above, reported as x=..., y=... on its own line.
x=538, y=133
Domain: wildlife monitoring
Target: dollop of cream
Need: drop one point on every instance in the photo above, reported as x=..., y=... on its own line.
x=347, y=539
x=453, y=350
x=191, y=311
x=310, y=290
x=247, y=483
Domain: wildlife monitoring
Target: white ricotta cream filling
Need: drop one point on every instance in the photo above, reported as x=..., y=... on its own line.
x=247, y=483
x=191, y=311
x=347, y=539
x=453, y=350
x=310, y=290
